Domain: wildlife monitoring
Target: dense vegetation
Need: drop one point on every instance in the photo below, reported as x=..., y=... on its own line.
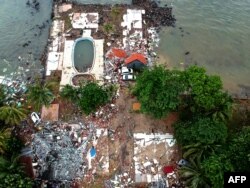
x=11, y=115
x=88, y=96
x=159, y=90
x=209, y=144
x=39, y=94
x=208, y=138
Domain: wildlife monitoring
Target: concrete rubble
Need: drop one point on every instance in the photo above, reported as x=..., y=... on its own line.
x=133, y=41
x=61, y=151
x=85, y=20
x=148, y=166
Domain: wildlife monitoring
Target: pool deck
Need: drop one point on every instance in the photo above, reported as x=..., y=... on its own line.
x=67, y=67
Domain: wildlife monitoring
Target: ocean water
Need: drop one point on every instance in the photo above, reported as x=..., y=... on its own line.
x=214, y=34
x=23, y=33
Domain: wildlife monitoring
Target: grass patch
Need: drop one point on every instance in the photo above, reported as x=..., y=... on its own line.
x=67, y=23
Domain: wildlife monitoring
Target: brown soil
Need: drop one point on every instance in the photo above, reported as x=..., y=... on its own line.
x=127, y=122
x=81, y=78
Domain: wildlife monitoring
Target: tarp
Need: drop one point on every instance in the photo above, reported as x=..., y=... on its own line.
x=116, y=52
x=168, y=169
x=93, y=152
x=136, y=65
x=136, y=56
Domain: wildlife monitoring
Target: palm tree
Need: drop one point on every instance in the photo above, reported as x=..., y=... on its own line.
x=193, y=175
x=4, y=136
x=8, y=167
x=2, y=95
x=69, y=92
x=39, y=95
x=223, y=111
x=12, y=115
x=198, y=150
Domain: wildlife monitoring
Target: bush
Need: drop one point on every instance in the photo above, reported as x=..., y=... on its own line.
x=200, y=130
x=91, y=96
x=158, y=91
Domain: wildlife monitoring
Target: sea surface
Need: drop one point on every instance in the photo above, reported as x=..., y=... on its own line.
x=214, y=34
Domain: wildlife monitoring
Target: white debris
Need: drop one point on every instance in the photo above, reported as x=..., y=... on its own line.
x=85, y=20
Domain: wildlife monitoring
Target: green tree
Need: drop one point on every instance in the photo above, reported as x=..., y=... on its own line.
x=14, y=146
x=16, y=180
x=200, y=130
x=239, y=150
x=2, y=95
x=10, y=166
x=69, y=92
x=4, y=137
x=199, y=150
x=193, y=175
x=39, y=94
x=158, y=91
x=12, y=115
x=214, y=168
x=12, y=175
x=205, y=94
x=91, y=96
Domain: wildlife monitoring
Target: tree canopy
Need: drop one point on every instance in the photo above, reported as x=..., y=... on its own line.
x=39, y=95
x=88, y=96
x=200, y=130
x=2, y=95
x=214, y=168
x=205, y=94
x=193, y=175
x=161, y=91
x=91, y=96
x=239, y=150
x=12, y=115
x=158, y=91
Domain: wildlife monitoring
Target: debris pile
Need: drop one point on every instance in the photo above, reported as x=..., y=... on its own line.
x=149, y=165
x=103, y=115
x=59, y=151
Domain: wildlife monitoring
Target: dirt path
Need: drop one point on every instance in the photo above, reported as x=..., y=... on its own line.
x=123, y=125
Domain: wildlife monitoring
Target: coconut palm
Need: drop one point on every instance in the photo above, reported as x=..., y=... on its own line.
x=11, y=166
x=2, y=95
x=39, y=95
x=223, y=111
x=198, y=150
x=12, y=115
x=69, y=92
x=4, y=136
x=193, y=175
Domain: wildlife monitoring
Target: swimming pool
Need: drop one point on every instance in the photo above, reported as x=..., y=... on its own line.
x=83, y=54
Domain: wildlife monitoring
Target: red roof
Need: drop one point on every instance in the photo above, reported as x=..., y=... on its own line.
x=116, y=52
x=136, y=56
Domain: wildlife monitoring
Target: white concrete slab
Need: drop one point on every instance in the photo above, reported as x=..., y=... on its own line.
x=52, y=62
x=67, y=71
x=141, y=142
x=86, y=33
x=85, y=20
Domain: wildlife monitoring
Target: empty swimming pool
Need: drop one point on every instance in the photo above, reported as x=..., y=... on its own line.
x=83, y=54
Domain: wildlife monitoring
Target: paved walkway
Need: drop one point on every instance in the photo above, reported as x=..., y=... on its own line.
x=67, y=69
x=98, y=66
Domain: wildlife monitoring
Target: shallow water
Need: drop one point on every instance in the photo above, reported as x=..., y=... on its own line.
x=215, y=34
x=22, y=25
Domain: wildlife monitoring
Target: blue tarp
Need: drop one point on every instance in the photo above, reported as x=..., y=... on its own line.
x=93, y=152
